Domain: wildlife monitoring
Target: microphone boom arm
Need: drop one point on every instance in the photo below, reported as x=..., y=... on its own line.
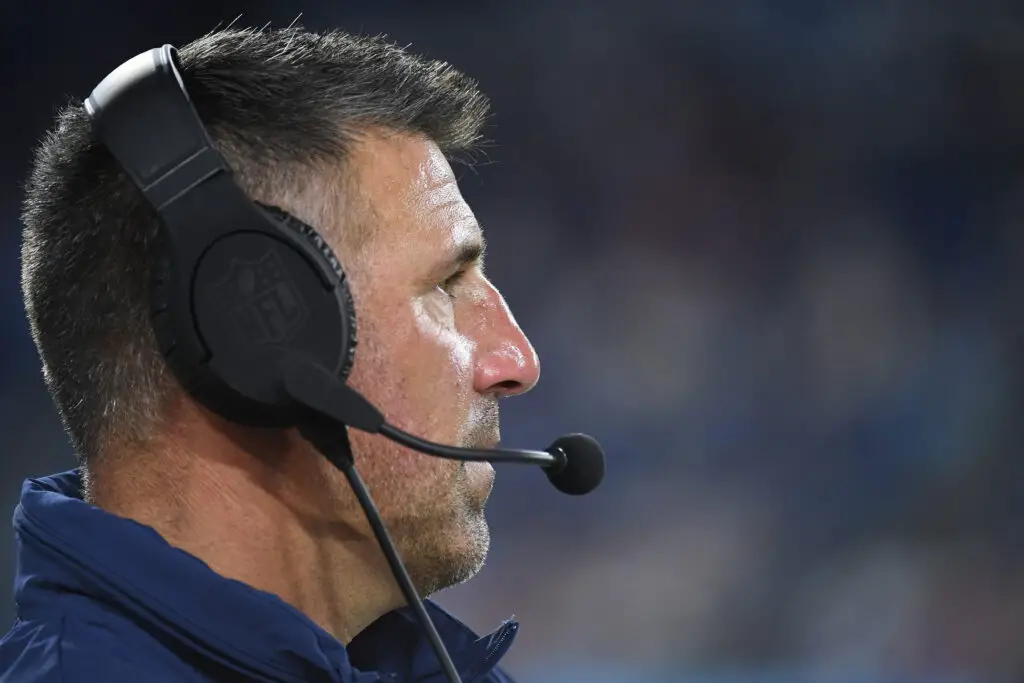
x=316, y=389
x=555, y=461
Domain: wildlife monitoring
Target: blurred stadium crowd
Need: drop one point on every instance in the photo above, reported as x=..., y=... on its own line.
x=769, y=254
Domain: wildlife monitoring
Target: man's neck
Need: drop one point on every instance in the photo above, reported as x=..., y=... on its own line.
x=248, y=519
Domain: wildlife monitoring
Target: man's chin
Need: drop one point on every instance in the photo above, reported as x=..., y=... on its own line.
x=457, y=558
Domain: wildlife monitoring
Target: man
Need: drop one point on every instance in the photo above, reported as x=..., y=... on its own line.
x=187, y=548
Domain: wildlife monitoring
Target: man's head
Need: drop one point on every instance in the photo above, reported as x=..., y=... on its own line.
x=353, y=136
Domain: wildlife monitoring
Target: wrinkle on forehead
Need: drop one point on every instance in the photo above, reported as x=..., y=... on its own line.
x=435, y=181
x=435, y=190
x=435, y=170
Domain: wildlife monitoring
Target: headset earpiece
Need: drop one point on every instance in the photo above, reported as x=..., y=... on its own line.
x=237, y=288
x=259, y=296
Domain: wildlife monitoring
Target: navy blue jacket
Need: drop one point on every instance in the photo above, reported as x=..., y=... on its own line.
x=104, y=599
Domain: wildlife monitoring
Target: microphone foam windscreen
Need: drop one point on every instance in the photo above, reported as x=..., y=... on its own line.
x=584, y=467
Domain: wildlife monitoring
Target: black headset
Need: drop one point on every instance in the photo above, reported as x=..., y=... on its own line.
x=237, y=287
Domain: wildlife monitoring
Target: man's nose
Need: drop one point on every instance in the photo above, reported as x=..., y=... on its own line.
x=507, y=364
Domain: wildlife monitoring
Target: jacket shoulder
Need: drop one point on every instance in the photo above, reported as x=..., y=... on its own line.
x=30, y=653
x=67, y=649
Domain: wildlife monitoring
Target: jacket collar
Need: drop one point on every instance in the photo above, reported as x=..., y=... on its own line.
x=68, y=546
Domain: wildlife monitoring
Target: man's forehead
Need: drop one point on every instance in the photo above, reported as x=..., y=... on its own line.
x=411, y=189
x=401, y=163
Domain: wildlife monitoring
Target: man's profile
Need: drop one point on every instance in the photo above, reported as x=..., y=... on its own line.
x=189, y=548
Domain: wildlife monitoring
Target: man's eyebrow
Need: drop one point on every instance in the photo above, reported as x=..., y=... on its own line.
x=468, y=253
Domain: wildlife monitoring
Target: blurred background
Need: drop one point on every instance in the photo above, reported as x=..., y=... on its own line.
x=769, y=253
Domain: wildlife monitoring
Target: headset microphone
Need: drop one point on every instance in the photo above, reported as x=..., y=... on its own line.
x=251, y=309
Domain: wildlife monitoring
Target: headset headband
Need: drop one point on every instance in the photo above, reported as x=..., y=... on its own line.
x=147, y=93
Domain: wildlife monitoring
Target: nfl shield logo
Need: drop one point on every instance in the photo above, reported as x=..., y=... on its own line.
x=258, y=301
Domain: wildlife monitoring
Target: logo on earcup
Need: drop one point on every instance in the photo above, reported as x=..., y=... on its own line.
x=258, y=301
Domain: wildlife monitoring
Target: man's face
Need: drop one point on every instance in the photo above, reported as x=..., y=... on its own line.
x=437, y=348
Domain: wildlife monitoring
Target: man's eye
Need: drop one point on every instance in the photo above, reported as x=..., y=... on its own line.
x=448, y=286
